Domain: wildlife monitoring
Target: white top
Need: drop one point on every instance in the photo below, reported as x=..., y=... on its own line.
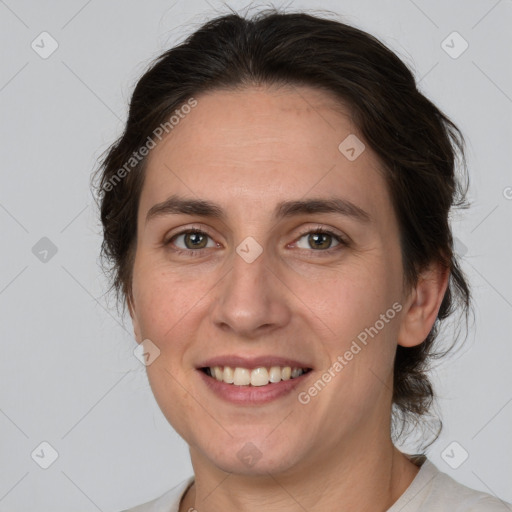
x=430, y=491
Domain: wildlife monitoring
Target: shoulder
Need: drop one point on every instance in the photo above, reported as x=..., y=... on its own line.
x=435, y=491
x=168, y=502
x=460, y=498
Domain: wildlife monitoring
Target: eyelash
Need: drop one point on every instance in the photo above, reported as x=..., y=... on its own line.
x=342, y=242
x=319, y=230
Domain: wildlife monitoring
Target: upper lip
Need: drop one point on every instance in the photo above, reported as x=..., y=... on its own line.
x=252, y=362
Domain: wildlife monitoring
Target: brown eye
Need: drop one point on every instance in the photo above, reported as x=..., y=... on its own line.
x=191, y=240
x=319, y=240
x=195, y=240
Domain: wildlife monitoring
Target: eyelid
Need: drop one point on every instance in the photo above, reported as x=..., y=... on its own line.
x=194, y=228
x=342, y=239
x=318, y=228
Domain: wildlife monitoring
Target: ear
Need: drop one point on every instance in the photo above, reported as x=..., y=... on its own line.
x=135, y=320
x=422, y=305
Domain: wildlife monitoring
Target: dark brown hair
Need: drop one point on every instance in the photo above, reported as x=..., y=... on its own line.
x=418, y=146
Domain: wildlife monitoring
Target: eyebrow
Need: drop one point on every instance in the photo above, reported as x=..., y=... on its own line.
x=176, y=205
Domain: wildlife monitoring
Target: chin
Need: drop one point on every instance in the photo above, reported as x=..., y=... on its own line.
x=258, y=456
x=256, y=467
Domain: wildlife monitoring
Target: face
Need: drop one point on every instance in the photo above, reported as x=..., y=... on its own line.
x=294, y=261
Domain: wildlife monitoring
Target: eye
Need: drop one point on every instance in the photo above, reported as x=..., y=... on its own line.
x=191, y=240
x=319, y=239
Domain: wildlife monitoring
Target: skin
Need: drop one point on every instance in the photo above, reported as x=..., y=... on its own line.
x=247, y=150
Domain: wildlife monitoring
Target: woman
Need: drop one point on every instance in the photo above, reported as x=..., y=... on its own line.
x=276, y=217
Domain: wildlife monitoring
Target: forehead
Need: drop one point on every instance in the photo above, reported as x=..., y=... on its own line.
x=262, y=146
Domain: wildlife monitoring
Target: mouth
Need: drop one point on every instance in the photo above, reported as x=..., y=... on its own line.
x=256, y=377
x=253, y=381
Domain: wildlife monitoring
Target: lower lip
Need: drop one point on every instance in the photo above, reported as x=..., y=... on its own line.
x=252, y=395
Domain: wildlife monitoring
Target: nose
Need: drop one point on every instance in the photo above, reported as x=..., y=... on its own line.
x=251, y=299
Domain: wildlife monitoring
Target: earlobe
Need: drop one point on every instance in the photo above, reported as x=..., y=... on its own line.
x=422, y=306
x=135, y=322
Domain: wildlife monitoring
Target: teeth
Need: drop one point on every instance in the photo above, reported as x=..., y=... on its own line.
x=242, y=376
x=257, y=377
x=228, y=375
x=274, y=375
x=296, y=372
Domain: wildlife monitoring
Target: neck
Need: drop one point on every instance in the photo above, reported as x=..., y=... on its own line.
x=367, y=476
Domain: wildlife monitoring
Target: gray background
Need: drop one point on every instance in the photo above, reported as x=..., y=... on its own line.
x=68, y=374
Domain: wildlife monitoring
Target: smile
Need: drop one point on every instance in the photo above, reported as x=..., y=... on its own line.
x=260, y=376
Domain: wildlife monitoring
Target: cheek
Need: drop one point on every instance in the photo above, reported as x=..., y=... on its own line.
x=355, y=319
x=167, y=307
x=347, y=300
x=172, y=395
x=164, y=300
